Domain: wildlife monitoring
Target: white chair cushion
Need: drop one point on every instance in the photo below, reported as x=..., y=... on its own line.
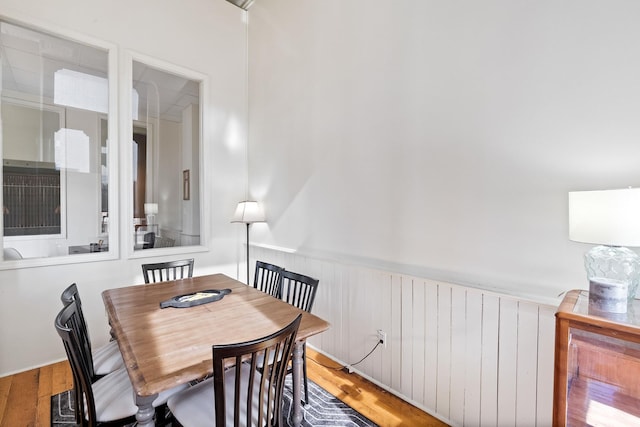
x=11, y=253
x=115, y=399
x=272, y=357
x=107, y=358
x=196, y=405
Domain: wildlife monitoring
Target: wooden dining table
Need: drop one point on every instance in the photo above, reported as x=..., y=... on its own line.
x=166, y=347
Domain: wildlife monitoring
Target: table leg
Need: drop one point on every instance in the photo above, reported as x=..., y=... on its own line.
x=297, y=382
x=145, y=413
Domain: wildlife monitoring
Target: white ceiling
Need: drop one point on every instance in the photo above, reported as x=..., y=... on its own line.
x=30, y=59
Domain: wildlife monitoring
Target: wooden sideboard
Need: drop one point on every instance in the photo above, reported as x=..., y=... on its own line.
x=597, y=365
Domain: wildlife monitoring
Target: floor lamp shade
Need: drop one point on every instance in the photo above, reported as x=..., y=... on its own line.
x=248, y=212
x=611, y=220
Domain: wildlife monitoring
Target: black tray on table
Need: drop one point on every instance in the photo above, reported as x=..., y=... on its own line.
x=195, y=298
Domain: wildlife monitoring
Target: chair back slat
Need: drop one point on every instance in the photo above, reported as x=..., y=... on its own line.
x=299, y=290
x=68, y=326
x=257, y=393
x=267, y=278
x=69, y=295
x=170, y=270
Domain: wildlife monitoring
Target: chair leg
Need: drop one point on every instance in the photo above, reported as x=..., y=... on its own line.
x=161, y=417
x=76, y=407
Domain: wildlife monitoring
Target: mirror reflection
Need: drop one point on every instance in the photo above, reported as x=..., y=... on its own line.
x=54, y=105
x=166, y=154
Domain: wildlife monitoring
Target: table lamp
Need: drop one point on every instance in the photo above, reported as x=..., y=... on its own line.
x=611, y=220
x=248, y=212
x=150, y=210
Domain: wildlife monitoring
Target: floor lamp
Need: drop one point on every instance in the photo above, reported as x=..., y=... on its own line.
x=248, y=212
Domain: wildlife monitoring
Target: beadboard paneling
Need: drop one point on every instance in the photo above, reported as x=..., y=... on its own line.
x=468, y=356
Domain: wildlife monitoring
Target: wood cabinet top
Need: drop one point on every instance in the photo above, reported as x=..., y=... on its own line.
x=575, y=308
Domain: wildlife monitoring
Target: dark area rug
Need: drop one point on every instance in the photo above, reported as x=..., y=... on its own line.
x=323, y=409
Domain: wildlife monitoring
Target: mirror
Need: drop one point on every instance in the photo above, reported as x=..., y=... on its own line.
x=165, y=158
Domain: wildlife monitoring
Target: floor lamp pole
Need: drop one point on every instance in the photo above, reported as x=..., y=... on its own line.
x=248, y=224
x=248, y=212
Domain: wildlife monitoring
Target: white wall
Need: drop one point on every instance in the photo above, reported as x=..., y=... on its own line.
x=441, y=138
x=82, y=186
x=169, y=176
x=190, y=154
x=207, y=36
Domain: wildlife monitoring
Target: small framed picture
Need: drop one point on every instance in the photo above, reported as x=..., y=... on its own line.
x=185, y=185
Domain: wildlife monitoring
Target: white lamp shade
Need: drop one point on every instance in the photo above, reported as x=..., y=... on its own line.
x=150, y=208
x=248, y=212
x=610, y=217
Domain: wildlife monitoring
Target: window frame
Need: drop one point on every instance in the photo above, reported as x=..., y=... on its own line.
x=112, y=154
x=126, y=156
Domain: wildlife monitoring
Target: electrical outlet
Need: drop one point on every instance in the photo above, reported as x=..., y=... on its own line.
x=382, y=337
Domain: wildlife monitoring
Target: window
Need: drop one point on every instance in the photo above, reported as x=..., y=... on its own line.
x=165, y=153
x=54, y=104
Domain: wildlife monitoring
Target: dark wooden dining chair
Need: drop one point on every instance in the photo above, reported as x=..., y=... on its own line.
x=300, y=291
x=109, y=400
x=267, y=278
x=106, y=358
x=149, y=240
x=170, y=270
x=240, y=395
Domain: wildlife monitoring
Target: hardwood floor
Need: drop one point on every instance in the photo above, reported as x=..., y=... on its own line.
x=375, y=403
x=25, y=398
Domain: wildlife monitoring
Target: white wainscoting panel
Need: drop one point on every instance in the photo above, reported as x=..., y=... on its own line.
x=469, y=357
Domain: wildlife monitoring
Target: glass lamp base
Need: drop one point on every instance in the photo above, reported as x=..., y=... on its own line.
x=614, y=262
